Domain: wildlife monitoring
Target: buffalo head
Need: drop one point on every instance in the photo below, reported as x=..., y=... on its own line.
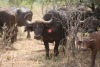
x=22, y=15
x=38, y=27
x=86, y=43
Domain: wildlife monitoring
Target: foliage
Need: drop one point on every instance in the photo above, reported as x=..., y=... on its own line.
x=15, y=2
x=88, y=2
x=46, y=2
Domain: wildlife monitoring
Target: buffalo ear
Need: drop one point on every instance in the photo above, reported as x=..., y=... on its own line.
x=19, y=11
x=29, y=27
x=92, y=41
x=33, y=24
x=79, y=42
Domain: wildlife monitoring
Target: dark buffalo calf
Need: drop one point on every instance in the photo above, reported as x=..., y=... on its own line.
x=92, y=42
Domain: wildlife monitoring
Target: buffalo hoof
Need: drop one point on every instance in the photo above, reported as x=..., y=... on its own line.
x=28, y=36
x=64, y=51
x=92, y=65
x=47, y=58
x=55, y=59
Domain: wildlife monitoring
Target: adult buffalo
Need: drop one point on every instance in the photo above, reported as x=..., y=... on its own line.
x=8, y=18
x=24, y=15
x=49, y=30
x=90, y=24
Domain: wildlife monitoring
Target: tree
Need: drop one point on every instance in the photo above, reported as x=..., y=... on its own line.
x=92, y=3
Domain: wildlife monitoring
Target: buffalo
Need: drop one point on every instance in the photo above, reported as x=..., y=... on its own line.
x=49, y=33
x=8, y=18
x=23, y=15
x=49, y=30
x=90, y=24
x=92, y=42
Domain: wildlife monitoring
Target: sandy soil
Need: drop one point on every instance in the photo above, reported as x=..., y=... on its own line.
x=24, y=52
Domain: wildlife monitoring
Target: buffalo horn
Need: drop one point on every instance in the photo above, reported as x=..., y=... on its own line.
x=27, y=15
x=81, y=21
x=28, y=22
x=49, y=21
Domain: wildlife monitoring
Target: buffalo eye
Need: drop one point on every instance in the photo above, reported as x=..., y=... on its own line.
x=33, y=25
x=79, y=42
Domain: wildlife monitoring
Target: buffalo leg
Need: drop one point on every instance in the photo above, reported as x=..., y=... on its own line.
x=14, y=38
x=14, y=35
x=56, y=52
x=28, y=34
x=64, y=45
x=94, y=52
x=46, y=49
